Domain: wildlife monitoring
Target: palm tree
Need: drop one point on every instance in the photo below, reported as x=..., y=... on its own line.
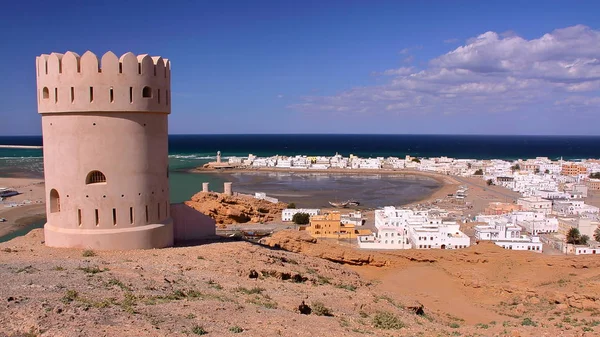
x=584, y=240
x=573, y=236
x=597, y=234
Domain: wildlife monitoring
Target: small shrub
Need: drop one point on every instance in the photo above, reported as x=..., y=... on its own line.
x=116, y=282
x=320, y=309
x=346, y=286
x=483, y=326
x=190, y=316
x=454, y=325
x=88, y=253
x=255, y=290
x=198, y=330
x=528, y=322
x=321, y=280
x=69, y=297
x=236, y=329
x=58, y=268
x=387, y=320
x=200, y=257
x=92, y=270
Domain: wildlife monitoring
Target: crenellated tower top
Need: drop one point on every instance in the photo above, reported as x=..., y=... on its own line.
x=68, y=83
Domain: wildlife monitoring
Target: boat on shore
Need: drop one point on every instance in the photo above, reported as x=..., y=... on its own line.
x=7, y=192
x=344, y=204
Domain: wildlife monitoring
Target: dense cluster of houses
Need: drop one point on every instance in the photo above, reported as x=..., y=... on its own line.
x=553, y=202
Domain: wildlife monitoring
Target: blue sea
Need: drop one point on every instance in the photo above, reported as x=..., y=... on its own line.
x=188, y=151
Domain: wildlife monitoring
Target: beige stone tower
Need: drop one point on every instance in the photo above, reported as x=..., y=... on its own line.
x=104, y=125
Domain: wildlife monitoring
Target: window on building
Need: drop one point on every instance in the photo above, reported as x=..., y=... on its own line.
x=147, y=92
x=45, y=93
x=54, y=201
x=95, y=177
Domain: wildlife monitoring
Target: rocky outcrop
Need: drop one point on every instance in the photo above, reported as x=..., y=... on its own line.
x=227, y=210
x=295, y=241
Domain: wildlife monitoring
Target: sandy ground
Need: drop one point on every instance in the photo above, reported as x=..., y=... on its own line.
x=32, y=190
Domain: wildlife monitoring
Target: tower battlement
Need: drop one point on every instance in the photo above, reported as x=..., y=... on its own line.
x=68, y=83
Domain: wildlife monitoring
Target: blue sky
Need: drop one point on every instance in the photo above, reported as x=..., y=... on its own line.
x=452, y=67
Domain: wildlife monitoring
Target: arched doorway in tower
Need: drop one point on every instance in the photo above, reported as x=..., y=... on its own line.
x=54, y=201
x=443, y=247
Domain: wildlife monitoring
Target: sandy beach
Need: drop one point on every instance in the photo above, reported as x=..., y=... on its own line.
x=29, y=205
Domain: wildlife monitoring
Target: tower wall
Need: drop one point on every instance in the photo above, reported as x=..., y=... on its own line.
x=105, y=151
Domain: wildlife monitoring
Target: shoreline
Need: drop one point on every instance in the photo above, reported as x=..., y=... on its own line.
x=30, y=204
x=20, y=146
x=442, y=179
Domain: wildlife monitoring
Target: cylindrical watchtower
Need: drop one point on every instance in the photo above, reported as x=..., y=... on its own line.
x=104, y=127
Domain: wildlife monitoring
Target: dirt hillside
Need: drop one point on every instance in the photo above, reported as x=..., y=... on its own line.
x=225, y=288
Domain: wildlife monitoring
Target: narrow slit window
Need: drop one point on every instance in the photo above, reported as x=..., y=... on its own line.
x=72, y=94
x=166, y=208
x=158, y=210
x=139, y=68
x=79, y=217
x=114, y=216
x=146, y=213
x=91, y=94
x=167, y=98
x=130, y=94
x=154, y=70
x=158, y=94
x=131, y=215
x=97, y=217
x=46, y=67
x=120, y=67
x=55, y=95
x=111, y=93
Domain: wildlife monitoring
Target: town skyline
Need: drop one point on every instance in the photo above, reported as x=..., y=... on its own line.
x=341, y=67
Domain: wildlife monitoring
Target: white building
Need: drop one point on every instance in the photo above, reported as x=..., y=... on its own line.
x=441, y=236
x=385, y=238
x=534, y=222
x=288, y=213
x=405, y=229
x=536, y=204
x=352, y=218
x=573, y=207
x=507, y=235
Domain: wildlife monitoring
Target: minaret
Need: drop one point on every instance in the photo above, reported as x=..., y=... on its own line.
x=104, y=126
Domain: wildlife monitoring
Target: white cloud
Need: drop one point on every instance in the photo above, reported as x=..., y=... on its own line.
x=491, y=73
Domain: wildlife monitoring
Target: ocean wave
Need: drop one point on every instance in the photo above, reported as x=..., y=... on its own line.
x=194, y=156
x=26, y=157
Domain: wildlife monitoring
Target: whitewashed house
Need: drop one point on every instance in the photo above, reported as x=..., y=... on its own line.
x=288, y=213
x=507, y=235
